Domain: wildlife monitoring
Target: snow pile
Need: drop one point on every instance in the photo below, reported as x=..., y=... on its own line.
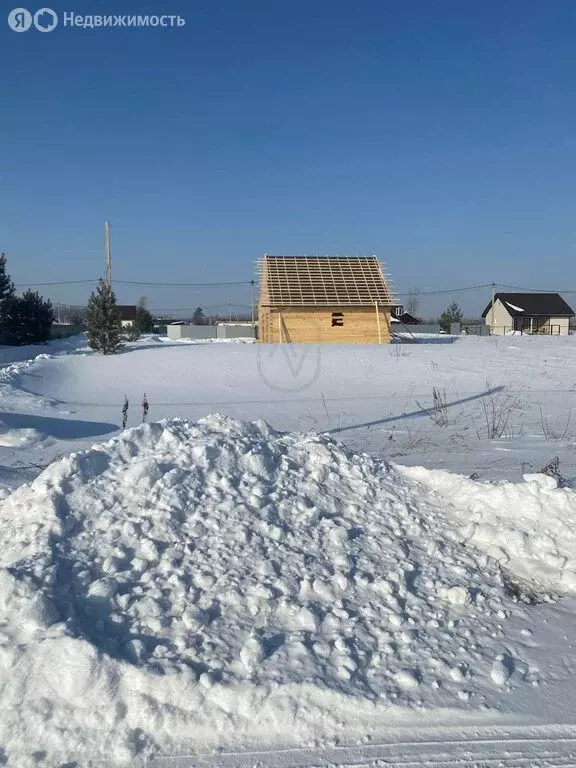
x=191, y=585
x=529, y=527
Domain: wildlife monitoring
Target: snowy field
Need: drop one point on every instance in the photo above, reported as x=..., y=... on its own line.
x=511, y=402
x=310, y=556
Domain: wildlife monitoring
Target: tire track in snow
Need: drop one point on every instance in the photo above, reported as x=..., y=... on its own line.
x=513, y=748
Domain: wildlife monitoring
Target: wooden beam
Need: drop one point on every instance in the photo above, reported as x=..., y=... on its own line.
x=378, y=323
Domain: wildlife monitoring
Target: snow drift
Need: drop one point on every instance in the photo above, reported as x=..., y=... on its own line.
x=529, y=528
x=194, y=585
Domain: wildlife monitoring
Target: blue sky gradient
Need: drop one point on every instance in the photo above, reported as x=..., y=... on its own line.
x=438, y=135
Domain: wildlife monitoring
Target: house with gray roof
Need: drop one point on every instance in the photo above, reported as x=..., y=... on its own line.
x=531, y=313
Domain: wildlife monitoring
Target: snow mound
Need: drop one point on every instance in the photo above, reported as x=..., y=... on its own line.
x=527, y=527
x=192, y=585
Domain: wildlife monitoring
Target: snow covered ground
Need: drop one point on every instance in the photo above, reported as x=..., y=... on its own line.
x=373, y=398
x=396, y=585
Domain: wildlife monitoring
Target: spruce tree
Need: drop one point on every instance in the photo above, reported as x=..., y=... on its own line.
x=27, y=319
x=144, y=320
x=452, y=314
x=6, y=292
x=6, y=285
x=143, y=323
x=103, y=320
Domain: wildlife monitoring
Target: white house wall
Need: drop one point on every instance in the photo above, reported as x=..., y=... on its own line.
x=503, y=320
x=563, y=322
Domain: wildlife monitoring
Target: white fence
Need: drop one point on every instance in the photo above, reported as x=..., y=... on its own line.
x=176, y=332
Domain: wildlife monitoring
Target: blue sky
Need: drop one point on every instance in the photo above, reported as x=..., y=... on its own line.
x=438, y=135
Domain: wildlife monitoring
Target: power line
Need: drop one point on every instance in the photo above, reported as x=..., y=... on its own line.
x=445, y=290
x=139, y=282
x=532, y=290
x=61, y=282
x=182, y=285
x=191, y=309
x=251, y=282
x=486, y=285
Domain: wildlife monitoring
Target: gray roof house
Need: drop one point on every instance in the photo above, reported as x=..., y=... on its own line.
x=531, y=313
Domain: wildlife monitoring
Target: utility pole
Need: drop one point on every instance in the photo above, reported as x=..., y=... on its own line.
x=492, y=311
x=230, y=312
x=108, y=257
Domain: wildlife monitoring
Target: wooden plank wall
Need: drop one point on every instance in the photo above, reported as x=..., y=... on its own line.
x=314, y=326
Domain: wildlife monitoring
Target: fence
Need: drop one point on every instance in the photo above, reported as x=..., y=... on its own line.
x=64, y=330
x=234, y=331
x=505, y=330
x=176, y=332
x=509, y=330
x=475, y=330
x=419, y=328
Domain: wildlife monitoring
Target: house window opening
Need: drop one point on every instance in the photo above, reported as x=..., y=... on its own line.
x=337, y=319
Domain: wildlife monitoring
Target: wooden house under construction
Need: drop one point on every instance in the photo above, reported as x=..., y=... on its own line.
x=323, y=299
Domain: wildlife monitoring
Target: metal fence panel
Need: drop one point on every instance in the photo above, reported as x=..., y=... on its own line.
x=234, y=332
x=415, y=329
x=176, y=332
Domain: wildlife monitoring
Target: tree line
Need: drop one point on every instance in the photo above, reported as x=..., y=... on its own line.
x=25, y=319
x=28, y=319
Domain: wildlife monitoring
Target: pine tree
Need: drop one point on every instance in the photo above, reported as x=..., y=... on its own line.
x=26, y=319
x=103, y=321
x=452, y=314
x=6, y=292
x=143, y=322
x=6, y=284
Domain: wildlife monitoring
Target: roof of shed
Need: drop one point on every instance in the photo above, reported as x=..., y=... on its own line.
x=533, y=304
x=323, y=281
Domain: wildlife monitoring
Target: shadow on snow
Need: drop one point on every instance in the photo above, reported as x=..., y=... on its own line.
x=63, y=429
x=415, y=414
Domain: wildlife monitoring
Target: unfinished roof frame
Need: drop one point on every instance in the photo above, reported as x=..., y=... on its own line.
x=316, y=281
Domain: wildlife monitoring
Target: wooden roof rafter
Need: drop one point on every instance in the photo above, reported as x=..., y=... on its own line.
x=323, y=281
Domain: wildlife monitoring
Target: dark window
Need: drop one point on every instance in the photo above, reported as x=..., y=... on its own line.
x=337, y=319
